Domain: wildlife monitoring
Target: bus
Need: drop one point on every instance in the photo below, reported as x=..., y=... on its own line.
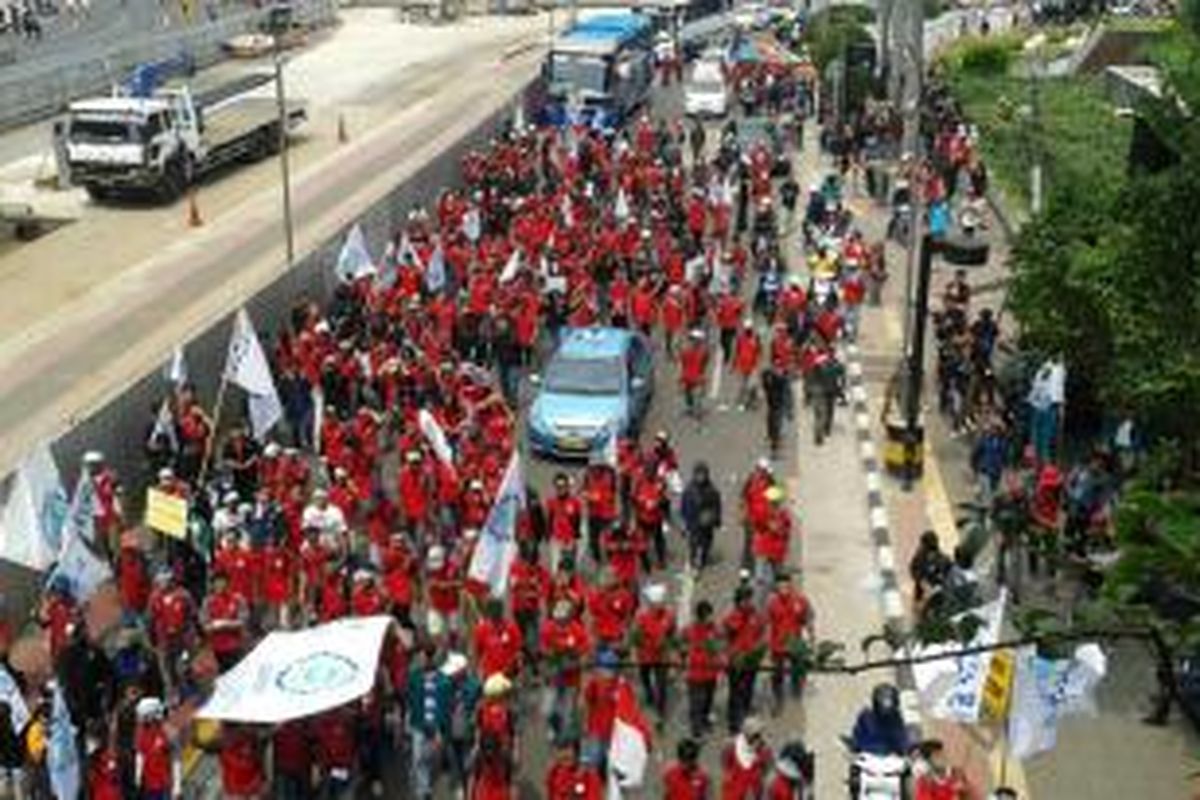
x=600, y=70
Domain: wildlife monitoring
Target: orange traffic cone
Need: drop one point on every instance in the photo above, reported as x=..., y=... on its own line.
x=194, y=220
x=343, y=134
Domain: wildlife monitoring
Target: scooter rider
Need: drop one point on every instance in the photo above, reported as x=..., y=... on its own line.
x=879, y=730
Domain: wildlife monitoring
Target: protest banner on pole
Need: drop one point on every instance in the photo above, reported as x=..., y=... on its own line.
x=166, y=513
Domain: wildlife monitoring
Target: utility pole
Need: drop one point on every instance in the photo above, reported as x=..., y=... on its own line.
x=284, y=166
x=1034, y=51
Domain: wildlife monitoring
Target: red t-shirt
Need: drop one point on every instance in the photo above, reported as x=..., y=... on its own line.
x=787, y=615
x=498, y=646
x=154, y=748
x=681, y=782
x=653, y=629
x=241, y=763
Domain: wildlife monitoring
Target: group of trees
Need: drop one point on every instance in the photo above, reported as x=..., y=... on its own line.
x=1109, y=277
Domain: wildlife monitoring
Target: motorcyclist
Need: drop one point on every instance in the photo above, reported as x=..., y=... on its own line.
x=879, y=729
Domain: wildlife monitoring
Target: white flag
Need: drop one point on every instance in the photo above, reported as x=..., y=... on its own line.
x=472, y=225
x=435, y=273
x=565, y=208
x=621, y=209
x=79, y=565
x=406, y=253
x=497, y=547
x=246, y=365
x=355, y=260
x=32, y=519
x=164, y=426
x=10, y=693
x=512, y=266
x=1046, y=689
x=176, y=370
x=436, y=436
x=629, y=748
x=62, y=754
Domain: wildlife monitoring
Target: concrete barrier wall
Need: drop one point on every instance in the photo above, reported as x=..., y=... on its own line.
x=39, y=88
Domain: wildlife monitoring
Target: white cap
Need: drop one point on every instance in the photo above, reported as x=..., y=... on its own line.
x=149, y=708
x=655, y=594
x=455, y=663
x=436, y=556
x=93, y=457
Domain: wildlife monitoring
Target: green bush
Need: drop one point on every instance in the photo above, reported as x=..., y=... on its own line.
x=982, y=55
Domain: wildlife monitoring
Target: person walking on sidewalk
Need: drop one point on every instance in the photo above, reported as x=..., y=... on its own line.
x=702, y=667
x=693, y=367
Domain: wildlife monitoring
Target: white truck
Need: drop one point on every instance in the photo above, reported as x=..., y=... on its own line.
x=163, y=143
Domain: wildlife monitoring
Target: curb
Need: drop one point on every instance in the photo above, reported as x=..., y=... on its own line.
x=892, y=602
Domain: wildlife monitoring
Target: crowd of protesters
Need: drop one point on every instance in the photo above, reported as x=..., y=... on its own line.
x=351, y=509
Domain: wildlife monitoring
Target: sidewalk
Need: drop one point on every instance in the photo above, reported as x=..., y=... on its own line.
x=1109, y=756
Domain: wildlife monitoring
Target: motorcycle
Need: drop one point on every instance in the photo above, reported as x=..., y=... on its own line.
x=876, y=777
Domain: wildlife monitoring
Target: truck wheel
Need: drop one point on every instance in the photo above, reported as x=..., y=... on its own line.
x=173, y=181
x=270, y=142
x=98, y=194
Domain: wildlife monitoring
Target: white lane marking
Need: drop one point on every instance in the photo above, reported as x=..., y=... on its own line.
x=866, y=450
x=714, y=386
x=858, y=394
x=854, y=369
x=874, y=484
x=886, y=557
x=879, y=518
x=910, y=706
x=862, y=421
x=893, y=606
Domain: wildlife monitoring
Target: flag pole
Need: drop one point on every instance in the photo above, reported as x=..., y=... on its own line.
x=212, y=429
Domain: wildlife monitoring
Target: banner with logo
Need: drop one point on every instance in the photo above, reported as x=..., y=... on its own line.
x=295, y=674
x=1045, y=690
x=166, y=513
x=952, y=688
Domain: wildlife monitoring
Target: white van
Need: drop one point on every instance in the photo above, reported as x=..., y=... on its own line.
x=705, y=93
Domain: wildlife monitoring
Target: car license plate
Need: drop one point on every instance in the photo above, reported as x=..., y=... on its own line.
x=571, y=443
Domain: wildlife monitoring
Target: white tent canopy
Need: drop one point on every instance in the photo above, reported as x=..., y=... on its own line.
x=296, y=674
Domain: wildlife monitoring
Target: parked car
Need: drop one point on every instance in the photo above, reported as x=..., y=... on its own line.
x=599, y=380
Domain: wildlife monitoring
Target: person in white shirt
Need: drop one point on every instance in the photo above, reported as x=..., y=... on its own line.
x=324, y=517
x=1046, y=398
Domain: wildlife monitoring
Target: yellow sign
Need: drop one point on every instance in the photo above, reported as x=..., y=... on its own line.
x=998, y=685
x=166, y=513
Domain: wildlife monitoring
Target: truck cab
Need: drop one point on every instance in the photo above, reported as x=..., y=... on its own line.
x=134, y=142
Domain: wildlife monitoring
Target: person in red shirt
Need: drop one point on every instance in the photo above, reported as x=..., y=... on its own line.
x=600, y=497
x=685, y=779
x=224, y=616
x=365, y=598
x=793, y=773
x=650, y=506
x=568, y=779
x=497, y=642
x=132, y=574
x=771, y=540
x=653, y=639
x=939, y=781
x=693, y=368
x=279, y=583
x=854, y=291
x=611, y=605
x=564, y=519
x=745, y=631
x=744, y=763
x=172, y=622
x=292, y=758
x=674, y=316
x=104, y=773
x=600, y=705
x=789, y=623
x=703, y=664
x=564, y=644
x=747, y=353
x=443, y=584
x=643, y=306
x=336, y=750
x=493, y=768
x=624, y=552
x=728, y=312
x=529, y=584
x=414, y=485
x=241, y=761
x=156, y=770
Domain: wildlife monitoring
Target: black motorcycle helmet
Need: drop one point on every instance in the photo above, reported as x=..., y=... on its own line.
x=795, y=762
x=885, y=701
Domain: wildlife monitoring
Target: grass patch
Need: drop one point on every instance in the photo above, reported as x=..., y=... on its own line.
x=1080, y=134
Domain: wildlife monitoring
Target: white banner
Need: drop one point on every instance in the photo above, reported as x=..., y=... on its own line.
x=952, y=688
x=246, y=365
x=296, y=674
x=1046, y=689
